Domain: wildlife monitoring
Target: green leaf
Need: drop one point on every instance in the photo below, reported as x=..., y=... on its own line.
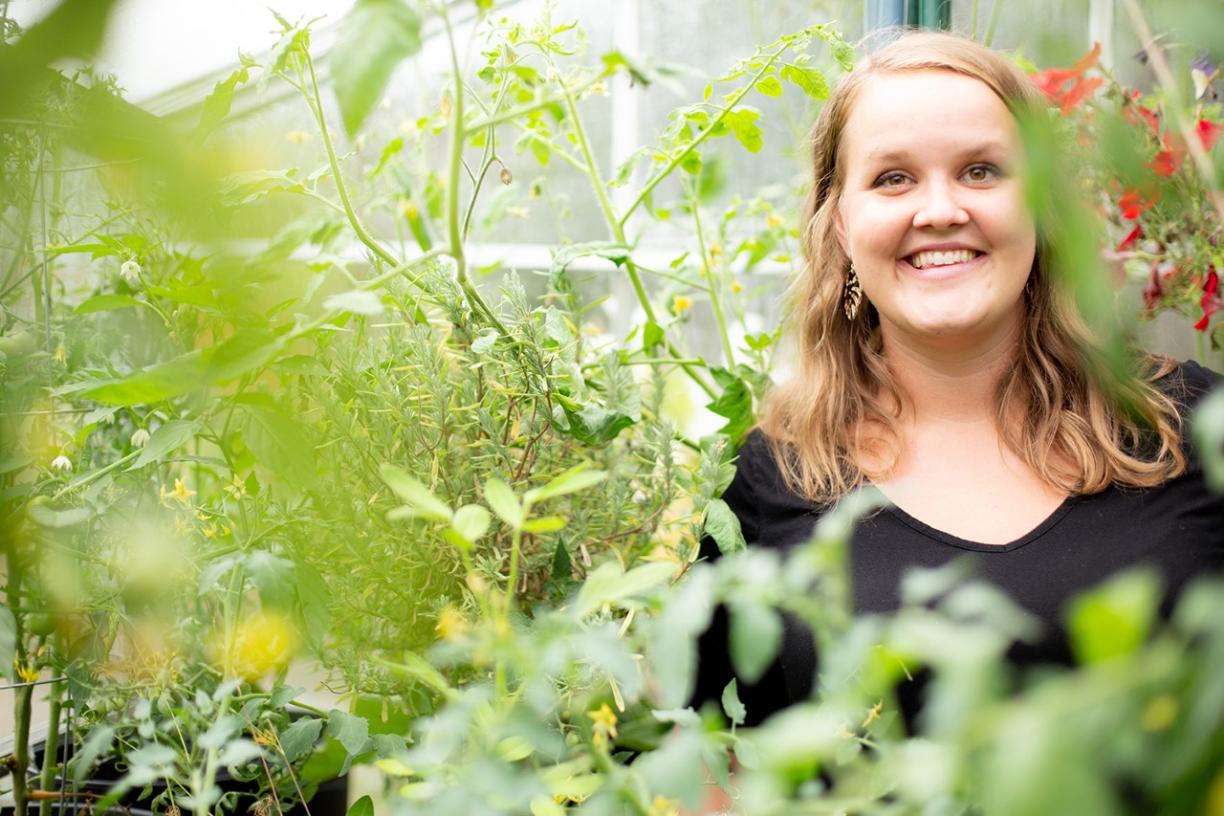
x=1208, y=432
x=96, y=744
x=278, y=441
x=106, y=303
x=349, y=730
x=769, y=86
x=165, y=440
x=471, y=521
x=362, y=807
x=504, y=503
x=609, y=584
x=566, y=255
x=544, y=524
x=596, y=425
x=734, y=403
x=562, y=567
x=423, y=502
x=812, y=81
x=1113, y=619
x=375, y=36
x=652, y=335
x=722, y=525
x=180, y=375
x=545, y=806
x=217, y=104
x=731, y=704
x=756, y=634
x=8, y=642
x=571, y=481
x=245, y=351
x=743, y=125
x=358, y=301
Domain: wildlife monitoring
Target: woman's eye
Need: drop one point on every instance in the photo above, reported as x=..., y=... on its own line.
x=890, y=180
x=982, y=172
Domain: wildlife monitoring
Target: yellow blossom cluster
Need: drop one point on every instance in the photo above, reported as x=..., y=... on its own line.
x=603, y=728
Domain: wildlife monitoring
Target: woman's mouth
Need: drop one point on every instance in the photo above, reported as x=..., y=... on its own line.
x=942, y=262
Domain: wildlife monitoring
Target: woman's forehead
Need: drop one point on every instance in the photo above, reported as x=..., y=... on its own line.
x=897, y=113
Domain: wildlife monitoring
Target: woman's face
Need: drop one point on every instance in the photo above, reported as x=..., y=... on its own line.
x=932, y=210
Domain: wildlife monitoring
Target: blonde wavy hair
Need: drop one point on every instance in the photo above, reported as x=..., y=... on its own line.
x=1076, y=421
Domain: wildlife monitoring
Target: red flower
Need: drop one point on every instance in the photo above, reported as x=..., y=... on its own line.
x=1167, y=162
x=1208, y=132
x=1053, y=82
x=1210, y=300
x=1129, y=241
x=1133, y=109
x=1133, y=203
x=1153, y=291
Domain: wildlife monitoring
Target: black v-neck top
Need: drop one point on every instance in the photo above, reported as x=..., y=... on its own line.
x=1177, y=528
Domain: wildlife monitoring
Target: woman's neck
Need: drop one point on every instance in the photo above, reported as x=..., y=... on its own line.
x=950, y=382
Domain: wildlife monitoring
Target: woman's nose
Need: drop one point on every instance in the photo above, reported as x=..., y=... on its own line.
x=939, y=208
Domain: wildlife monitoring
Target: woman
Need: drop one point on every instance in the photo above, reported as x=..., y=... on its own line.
x=938, y=361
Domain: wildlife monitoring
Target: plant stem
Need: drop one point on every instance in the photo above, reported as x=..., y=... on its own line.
x=316, y=107
x=24, y=694
x=617, y=226
x=46, y=778
x=454, y=224
x=89, y=477
x=523, y=110
x=995, y=8
x=666, y=171
x=708, y=274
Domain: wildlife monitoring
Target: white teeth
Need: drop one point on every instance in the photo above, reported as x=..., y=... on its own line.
x=923, y=259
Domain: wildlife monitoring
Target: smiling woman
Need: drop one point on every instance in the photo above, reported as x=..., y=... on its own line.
x=942, y=363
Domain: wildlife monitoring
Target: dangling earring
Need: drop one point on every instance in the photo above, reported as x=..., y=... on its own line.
x=852, y=295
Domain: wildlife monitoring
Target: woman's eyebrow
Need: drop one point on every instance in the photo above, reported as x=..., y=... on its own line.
x=990, y=146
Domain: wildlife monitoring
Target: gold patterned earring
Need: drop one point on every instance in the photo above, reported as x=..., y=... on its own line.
x=853, y=294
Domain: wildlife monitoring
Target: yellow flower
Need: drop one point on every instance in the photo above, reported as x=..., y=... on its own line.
x=261, y=641
x=28, y=674
x=681, y=304
x=236, y=489
x=61, y=354
x=451, y=624
x=210, y=532
x=297, y=136
x=736, y=287
x=716, y=250
x=662, y=806
x=180, y=492
x=407, y=210
x=604, y=725
x=774, y=220
x=1159, y=714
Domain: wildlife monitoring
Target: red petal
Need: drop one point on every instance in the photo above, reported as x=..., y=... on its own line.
x=1081, y=89
x=1089, y=59
x=1208, y=132
x=1130, y=239
x=1166, y=163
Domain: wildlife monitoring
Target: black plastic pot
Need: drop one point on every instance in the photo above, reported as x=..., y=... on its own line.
x=330, y=799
